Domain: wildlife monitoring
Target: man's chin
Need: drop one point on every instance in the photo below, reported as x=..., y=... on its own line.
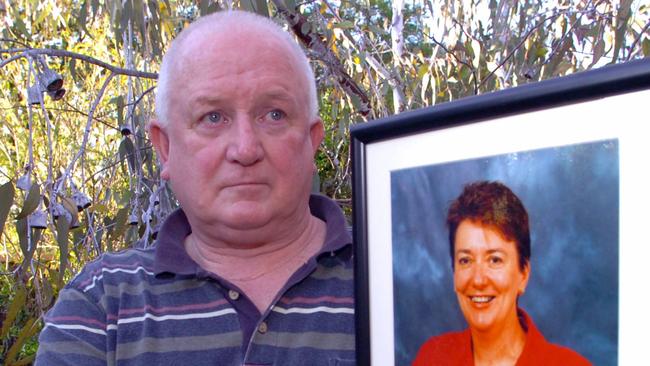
x=244, y=192
x=243, y=217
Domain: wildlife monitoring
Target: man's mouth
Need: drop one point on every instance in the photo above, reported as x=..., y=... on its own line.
x=481, y=299
x=242, y=184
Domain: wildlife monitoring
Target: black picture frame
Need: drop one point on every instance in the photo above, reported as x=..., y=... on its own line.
x=629, y=81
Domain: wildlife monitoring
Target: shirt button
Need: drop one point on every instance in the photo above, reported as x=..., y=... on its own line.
x=263, y=328
x=233, y=295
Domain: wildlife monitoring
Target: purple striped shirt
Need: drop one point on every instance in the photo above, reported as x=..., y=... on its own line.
x=157, y=307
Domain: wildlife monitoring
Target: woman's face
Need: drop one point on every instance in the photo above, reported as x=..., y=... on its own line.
x=487, y=277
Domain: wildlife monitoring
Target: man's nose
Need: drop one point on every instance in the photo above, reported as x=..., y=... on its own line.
x=244, y=147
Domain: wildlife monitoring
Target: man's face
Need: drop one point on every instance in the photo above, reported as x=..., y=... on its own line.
x=239, y=140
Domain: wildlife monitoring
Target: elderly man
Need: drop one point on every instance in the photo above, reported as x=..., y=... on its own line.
x=252, y=270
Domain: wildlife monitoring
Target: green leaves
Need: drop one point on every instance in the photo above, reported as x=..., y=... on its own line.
x=82, y=18
x=622, y=16
x=207, y=7
x=256, y=6
x=343, y=25
x=476, y=51
x=119, y=105
x=599, y=51
x=62, y=230
x=23, y=238
x=28, y=241
x=155, y=28
x=30, y=328
x=127, y=152
x=31, y=201
x=6, y=200
x=119, y=224
x=139, y=19
x=71, y=207
x=20, y=297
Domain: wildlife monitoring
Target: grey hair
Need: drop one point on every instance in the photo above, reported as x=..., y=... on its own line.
x=229, y=21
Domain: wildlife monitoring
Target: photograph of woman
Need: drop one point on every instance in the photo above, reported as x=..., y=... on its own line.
x=533, y=238
x=490, y=249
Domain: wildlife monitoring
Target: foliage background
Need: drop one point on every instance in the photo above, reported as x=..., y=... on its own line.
x=372, y=58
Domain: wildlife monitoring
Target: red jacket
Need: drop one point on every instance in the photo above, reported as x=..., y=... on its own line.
x=455, y=349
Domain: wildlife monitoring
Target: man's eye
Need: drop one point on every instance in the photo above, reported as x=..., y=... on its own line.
x=214, y=117
x=276, y=115
x=463, y=260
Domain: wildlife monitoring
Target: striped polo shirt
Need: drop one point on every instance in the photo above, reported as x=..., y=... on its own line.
x=156, y=306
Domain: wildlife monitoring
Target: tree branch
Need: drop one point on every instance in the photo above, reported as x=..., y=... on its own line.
x=22, y=52
x=138, y=100
x=14, y=41
x=637, y=39
x=391, y=77
x=314, y=42
x=113, y=164
x=534, y=28
x=471, y=67
x=397, y=48
x=76, y=110
x=517, y=47
x=86, y=133
x=12, y=59
x=560, y=43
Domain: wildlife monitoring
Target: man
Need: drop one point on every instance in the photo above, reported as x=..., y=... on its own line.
x=251, y=271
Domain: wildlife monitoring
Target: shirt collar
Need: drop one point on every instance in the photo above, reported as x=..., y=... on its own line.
x=338, y=235
x=172, y=258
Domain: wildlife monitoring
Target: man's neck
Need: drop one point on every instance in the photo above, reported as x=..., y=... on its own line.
x=259, y=271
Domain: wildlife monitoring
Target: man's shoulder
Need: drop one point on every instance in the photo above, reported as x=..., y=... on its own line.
x=115, y=266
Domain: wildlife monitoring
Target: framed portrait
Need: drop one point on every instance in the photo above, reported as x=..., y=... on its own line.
x=575, y=151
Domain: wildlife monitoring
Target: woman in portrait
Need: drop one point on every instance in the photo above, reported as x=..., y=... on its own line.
x=489, y=242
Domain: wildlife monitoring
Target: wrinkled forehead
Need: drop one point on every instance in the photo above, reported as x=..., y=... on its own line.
x=206, y=54
x=240, y=52
x=233, y=49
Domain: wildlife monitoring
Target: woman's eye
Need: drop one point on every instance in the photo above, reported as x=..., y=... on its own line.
x=276, y=115
x=463, y=260
x=496, y=260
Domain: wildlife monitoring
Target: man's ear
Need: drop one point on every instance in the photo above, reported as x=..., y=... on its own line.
x=160, y=142
x=316, y=134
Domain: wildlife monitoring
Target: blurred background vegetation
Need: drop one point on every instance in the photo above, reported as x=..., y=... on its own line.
x=78, y=176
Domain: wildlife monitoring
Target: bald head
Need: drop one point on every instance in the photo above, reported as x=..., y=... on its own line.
x=205, y=34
